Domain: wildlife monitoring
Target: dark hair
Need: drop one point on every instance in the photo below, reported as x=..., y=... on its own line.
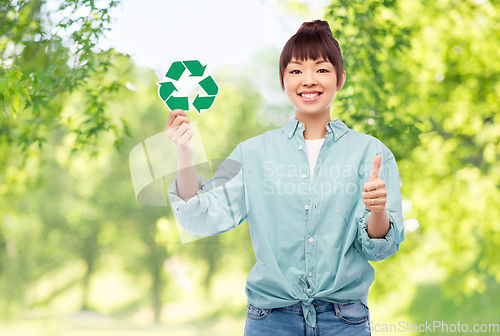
x=313, y=40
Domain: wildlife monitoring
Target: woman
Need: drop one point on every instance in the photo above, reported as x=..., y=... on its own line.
x=321, y=200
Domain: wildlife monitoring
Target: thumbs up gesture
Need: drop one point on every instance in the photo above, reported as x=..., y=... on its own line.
x=374, y=193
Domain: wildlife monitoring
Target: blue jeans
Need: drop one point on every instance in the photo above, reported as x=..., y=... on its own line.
x=331, y=319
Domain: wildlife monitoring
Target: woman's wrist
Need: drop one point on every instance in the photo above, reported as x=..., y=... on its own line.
x=378, y=224
x=184, y=161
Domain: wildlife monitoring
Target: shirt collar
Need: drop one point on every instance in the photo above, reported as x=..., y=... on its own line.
x=337, y=127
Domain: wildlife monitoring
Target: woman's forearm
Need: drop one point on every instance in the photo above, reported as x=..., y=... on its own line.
x=187, y=181
x=378, y=224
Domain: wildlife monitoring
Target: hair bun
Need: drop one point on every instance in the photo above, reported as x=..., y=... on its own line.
x=316, y=25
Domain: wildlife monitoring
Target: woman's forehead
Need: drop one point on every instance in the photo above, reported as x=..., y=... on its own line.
x=309, y=60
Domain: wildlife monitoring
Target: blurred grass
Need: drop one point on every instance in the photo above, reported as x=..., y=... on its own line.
x=432, y=304
x=122, y=311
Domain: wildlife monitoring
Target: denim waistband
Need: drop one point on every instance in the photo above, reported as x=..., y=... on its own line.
x=317, y=303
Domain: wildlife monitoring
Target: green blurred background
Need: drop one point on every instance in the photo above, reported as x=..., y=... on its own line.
x=80, y=256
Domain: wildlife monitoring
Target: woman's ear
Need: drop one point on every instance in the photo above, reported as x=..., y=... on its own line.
x=342, y=82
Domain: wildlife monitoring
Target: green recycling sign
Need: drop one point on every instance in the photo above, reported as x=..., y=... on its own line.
x=167, y=88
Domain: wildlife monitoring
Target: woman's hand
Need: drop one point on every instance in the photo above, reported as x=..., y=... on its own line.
x=179, y=131
x=375, y=194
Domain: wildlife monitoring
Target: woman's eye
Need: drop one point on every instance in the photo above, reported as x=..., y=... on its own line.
x=295, y=71
x=323, y=70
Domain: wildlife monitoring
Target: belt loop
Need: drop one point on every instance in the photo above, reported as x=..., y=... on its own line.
x=336, y=307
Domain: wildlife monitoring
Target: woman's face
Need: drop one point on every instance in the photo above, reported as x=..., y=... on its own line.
x=311, y=85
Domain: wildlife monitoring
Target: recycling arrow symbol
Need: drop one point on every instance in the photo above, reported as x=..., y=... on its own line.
x=166, y=89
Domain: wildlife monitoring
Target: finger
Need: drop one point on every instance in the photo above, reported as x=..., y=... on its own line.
x=186, y=137
x=375, y=169
x=180, y=120
x=381, y=192
x=376, y=201
x=177, y=122
x=173, y=114
x=374, y=185
x=180, y=132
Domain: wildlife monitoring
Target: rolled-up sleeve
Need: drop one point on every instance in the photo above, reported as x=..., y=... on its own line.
x=375, y=249
x=219, y=206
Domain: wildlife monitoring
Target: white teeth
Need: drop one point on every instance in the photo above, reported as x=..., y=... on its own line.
x=310, y=95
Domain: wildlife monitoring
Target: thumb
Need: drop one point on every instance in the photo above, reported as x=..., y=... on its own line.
x=376, y=167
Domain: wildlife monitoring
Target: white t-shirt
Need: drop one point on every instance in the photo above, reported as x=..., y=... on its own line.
x=313, y=147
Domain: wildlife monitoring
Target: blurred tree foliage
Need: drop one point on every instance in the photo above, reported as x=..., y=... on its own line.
x=373, y=38
x=45, y=54
x=48, y=50
x=52, y=209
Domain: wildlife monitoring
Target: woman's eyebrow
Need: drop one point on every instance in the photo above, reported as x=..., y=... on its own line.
x=317, y=62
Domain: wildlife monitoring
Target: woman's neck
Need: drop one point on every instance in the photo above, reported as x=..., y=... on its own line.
x=315, y=125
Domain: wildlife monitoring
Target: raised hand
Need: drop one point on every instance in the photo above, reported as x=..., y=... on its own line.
x=375, y=194
x=179, y=131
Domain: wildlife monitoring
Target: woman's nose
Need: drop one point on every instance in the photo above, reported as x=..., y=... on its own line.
x=309, y=79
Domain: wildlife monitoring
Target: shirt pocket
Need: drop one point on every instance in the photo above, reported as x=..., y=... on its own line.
x=255, y=313
x=347, y=193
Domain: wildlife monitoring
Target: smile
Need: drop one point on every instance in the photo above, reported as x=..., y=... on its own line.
x=308, y=97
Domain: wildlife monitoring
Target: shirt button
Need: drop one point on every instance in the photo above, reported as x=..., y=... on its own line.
x=311, y=239
x=300, y=125
x=306, y=207
x=304, y=175
x=310, y=274
x=315, y=206
x=300, y=147
x=318, y=175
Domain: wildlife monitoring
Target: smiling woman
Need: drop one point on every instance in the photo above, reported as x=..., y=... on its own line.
x=316, y=216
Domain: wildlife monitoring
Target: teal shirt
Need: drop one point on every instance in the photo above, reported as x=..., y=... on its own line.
x=309, y=238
